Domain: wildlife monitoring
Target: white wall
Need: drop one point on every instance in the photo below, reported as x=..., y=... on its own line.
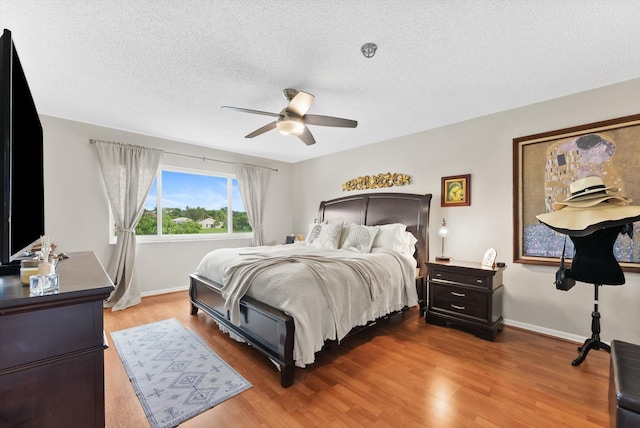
x=482, y=147
x=76, y=207
x=77, y=217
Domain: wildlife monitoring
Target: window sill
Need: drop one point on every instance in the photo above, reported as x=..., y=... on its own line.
x=145, y=239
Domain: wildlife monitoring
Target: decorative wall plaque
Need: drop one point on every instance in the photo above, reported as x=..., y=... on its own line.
x=376, y=181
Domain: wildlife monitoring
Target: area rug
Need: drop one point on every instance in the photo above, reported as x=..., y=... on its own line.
x=175, y=375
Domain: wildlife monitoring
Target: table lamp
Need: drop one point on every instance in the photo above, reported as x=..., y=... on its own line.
x=443, y=232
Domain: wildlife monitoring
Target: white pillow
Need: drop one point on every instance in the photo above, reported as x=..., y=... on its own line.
x=410, y=243
x=408, y=248
x=390, y=236
x=314, y=232
x=346, y=227
x=329, y=237
x=359, y=238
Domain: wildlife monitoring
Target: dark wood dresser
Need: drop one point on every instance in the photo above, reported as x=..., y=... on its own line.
x=52, y=348
x=465, y=295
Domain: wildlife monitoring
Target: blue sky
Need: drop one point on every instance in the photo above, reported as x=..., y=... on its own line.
x=180, y=190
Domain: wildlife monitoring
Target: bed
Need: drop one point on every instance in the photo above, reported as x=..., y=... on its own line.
x=242, y=311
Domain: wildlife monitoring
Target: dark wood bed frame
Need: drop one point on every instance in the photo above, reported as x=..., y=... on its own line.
x=270, y=330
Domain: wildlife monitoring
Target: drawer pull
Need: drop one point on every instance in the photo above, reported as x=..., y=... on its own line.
x=461, y=308
x=479, y=281
x=453, y=293
x=438, y=274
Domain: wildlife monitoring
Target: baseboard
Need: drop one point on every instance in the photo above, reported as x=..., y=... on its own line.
x=546, y=331
x=164, y=291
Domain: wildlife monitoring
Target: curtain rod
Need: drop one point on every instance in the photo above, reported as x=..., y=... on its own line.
x=203, y=158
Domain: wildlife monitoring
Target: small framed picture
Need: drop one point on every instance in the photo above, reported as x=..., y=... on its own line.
x=456, y=191
x=489, y=259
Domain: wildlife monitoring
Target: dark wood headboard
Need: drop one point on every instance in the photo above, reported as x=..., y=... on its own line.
x=372, y=209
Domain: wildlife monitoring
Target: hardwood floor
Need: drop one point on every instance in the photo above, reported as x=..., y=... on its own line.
x=395, y=374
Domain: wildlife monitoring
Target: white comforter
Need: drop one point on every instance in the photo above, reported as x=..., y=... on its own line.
x=326, y=292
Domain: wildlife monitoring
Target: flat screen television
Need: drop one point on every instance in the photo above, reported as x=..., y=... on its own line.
x=22, y=160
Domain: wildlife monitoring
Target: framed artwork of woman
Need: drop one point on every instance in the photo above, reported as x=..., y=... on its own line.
x=456, y=191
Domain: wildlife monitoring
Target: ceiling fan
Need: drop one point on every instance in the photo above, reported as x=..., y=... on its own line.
x=293, y=119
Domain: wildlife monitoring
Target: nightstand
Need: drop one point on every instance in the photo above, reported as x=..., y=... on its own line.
x=466, y=295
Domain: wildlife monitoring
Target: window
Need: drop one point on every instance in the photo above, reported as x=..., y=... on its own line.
x=188, y=204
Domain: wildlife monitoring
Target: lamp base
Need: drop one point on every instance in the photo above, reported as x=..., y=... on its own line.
x=443, y=259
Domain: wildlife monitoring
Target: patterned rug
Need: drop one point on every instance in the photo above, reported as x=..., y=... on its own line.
x=175, y=375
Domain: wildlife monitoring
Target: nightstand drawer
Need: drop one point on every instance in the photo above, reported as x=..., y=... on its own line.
x=462, y=278
x=459, y=300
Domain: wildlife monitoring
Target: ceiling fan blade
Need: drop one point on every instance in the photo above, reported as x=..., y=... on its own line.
x=246, y=110
x=267, y=127
x=314, y=119
x=306, y=137
x=301, y=103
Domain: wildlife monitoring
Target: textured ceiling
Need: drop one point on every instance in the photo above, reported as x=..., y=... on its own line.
x=164, y=68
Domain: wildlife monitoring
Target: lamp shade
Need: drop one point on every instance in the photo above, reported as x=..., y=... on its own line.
x=443, y=231
x=289, y=124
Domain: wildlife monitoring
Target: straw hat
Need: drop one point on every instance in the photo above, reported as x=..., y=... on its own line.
x=591, y=203
x=588, y=192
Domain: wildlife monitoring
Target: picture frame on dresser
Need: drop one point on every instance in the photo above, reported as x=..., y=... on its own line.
x=489, y=259
x=545, y=164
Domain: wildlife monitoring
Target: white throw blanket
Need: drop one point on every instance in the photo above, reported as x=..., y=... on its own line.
x=327, y=292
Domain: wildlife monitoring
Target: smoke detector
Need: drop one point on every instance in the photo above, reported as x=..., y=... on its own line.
x=369, y=49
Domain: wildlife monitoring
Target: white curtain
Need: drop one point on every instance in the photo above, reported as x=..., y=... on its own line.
x=128, y=173
x=253, y=182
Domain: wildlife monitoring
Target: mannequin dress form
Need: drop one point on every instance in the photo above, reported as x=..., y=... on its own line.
x=593, y=217
x=593, y=259
x=594, y=262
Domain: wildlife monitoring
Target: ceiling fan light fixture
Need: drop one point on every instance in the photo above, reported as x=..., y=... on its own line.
x=290, y=125
x=293, y=119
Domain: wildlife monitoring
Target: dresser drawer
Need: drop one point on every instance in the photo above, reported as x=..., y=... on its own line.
x=462, y=278
x=52, y=333
x=459, y=300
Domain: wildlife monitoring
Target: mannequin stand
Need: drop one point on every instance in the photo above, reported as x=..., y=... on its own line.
x=594, y=341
